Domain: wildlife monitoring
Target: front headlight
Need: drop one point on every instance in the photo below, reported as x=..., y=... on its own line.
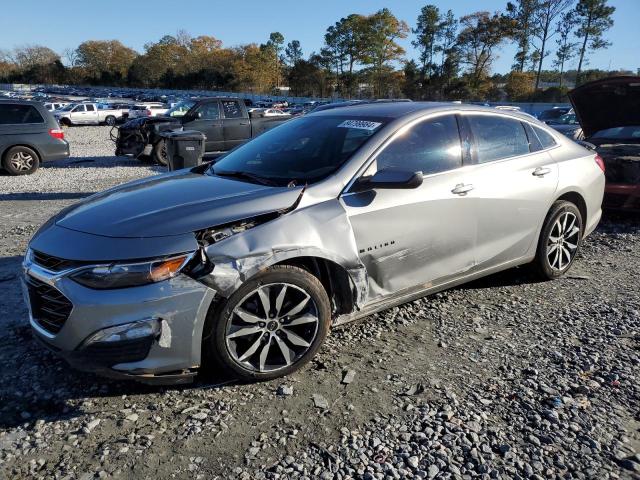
x=122, y=275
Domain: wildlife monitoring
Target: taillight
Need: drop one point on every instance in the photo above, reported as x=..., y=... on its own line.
x=57, y=133
x=600, y=162
x=148, y=112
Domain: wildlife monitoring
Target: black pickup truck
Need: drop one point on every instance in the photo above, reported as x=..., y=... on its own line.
x=225, y=122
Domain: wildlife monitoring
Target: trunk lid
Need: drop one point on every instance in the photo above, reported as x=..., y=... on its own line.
x=607, y=103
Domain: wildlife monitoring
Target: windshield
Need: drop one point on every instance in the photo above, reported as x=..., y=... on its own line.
x=303, y=150
x=619, y=133
x=180, y=108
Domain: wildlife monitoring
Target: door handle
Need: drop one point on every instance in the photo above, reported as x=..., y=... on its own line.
x=541, y=171
x=462, y=189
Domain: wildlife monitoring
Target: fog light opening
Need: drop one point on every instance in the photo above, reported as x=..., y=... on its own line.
x=130, y=331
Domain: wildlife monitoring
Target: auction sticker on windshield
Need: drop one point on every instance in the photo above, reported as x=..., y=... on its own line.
x=360, y=124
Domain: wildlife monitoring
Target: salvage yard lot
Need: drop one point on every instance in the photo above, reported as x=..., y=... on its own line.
x=506, y=377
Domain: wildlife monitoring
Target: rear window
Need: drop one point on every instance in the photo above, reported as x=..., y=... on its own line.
x=17, y=114
x=498, y=137
x=545, y=137
x=619, y=133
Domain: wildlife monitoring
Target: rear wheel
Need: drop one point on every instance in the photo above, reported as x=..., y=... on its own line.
x=160, y=152
x=271, y=326
x=559, y=240
x=20, y=161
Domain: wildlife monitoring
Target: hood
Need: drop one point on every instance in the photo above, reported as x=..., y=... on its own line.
x=607, y=103
x=138, y=122
x=173, y=204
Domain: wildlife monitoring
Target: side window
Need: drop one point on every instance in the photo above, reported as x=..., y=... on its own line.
x=79, y=108
x=498, y=137
x=545, y=137
x=231, y=109
x=209, y=111
x=534, y=142
x=90, y=108
x=430, y=146
x=16, y=114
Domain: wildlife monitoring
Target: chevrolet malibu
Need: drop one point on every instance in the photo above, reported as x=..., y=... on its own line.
x=244, y=265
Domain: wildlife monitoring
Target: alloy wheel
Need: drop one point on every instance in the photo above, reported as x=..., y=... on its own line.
x=563, y=240
x=272, y=327
x=21, y=161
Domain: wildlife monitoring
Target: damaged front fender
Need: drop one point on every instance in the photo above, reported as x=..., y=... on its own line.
x=320, y=231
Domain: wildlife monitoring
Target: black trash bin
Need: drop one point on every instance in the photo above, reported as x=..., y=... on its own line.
x=185, y=148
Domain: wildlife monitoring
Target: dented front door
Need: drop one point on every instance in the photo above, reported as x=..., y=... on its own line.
x=413, y=238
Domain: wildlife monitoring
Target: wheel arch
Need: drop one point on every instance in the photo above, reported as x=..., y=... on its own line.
x=335, y=279
x=578, y=200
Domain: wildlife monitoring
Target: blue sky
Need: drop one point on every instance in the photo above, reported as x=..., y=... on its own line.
x=135, y=22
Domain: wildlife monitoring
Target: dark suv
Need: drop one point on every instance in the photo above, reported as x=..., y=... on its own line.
x=29, y=135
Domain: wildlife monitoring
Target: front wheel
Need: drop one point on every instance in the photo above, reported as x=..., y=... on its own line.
x=110, y=120
x=160, y=152
x=271, y=326
x=559, y=240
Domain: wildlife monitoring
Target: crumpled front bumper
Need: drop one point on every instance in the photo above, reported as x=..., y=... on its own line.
x=179, y=305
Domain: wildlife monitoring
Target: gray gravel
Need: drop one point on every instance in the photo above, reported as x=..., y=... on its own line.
x=504, y=378
x=92, y=167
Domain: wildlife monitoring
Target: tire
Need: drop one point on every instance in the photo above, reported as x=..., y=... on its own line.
x=20, y=161
x=160, y=152
x=110, y=120
x=65, y=122
x=237, y=344
x=559, y=240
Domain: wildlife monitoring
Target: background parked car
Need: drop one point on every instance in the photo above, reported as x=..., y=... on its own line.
x=147, y=110
x=123, y=108
x=52, y=106
x=552, y=114
x=29, y=135
x=225, y=122
x=273, y=112
x=609, y=114
x=568, y=125
x=87, y=114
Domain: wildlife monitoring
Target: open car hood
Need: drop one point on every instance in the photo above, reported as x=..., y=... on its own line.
x=607, y=103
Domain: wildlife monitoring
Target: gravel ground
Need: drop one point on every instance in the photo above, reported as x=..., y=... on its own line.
x=506, y=377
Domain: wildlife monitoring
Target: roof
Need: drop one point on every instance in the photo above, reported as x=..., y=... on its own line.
x=393, y=110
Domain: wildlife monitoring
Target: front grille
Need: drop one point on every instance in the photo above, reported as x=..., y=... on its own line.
x=54, y=264
x=49, y=307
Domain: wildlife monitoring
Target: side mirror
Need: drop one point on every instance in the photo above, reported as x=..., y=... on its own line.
x=191, y=116
x=389, y=179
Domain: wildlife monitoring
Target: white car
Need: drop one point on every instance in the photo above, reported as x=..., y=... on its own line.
x=147, y=110
x=87, y=114
x=273, y=112
x=53, y=106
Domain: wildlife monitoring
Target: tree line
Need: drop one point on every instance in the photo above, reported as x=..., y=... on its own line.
x=361, y=57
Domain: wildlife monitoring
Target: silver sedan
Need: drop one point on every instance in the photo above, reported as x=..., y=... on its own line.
x=244, y=265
